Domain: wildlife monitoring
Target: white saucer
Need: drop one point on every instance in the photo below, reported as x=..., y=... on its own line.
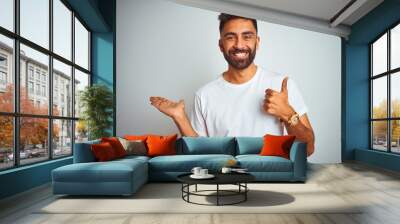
x=208, y=176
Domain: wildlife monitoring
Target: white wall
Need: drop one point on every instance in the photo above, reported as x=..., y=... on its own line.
x=171, y=50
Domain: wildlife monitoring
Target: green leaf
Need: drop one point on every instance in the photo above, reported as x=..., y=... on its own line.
x=96, y=102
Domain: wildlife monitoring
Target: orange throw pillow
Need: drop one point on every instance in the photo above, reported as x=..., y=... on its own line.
x=136, y=137
x=116, y=145
x=103, y=152
x=277, y=145
x=161, y=145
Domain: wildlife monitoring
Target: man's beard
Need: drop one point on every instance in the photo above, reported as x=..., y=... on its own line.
x=240, y=63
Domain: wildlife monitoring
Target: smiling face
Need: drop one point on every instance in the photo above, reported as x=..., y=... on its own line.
x=239, y=42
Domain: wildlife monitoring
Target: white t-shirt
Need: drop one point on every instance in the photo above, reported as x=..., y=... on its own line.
x=226, y=109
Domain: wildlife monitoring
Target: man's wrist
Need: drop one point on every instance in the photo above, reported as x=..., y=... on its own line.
x=286, y=117
x=179, y=117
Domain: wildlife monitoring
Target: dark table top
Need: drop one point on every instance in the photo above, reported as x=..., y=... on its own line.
x=220, y=178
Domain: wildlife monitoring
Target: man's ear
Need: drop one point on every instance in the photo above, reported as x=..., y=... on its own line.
x=221, y=46
x=258, y=42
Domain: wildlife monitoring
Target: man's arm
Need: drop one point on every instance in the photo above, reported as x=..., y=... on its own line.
x=277, y=104
x=303, y=132
x=176, y=111
x=184, y=126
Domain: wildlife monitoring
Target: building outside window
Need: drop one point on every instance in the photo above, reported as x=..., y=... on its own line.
x=3, y=61
x=43, y=90
x=3, y=78
x=30, y=72
x=43, y=77
x=3, y=72
x=55, y=95
x=30, y=87
x=38, y=75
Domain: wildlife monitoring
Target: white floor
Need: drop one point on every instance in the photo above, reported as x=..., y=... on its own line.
x=378, y=189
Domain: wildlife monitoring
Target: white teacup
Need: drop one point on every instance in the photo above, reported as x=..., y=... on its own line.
x=203, y=172
x=196, y=170
x=226, y=170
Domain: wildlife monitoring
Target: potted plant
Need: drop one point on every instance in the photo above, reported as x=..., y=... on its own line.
x=96, y=102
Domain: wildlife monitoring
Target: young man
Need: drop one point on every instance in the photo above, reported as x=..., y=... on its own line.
x=245, y=100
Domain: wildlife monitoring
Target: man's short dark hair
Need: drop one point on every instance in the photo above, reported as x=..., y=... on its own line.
x=224, y=18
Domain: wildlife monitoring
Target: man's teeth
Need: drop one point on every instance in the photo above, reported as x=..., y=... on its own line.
x=240, y=54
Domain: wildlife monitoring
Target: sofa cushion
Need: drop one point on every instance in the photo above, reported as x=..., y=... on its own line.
x=132, y=158
x=134, y=147
x=116, y=145
x=249, y=145
x=159, y=145
x=275, y=145
x=257, y=163
x=136, y=137
x=111, y=171
x=185, y=163
x=103, y=152
x=208, y=145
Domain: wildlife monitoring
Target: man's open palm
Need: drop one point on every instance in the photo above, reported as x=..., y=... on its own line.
x=168, y=107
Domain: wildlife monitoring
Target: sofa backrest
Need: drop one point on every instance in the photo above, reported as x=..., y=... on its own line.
x=190, y=146
x=83, y=152
x=206, y=145
x=249, y=145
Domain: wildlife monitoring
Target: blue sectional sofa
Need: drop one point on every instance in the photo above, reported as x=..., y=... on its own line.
x=125, y=176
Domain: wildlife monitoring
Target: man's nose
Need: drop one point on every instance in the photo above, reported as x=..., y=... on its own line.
x=239, y=43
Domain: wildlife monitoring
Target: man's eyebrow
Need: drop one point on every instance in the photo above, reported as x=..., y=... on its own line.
x=234, y=34
x=248, y=32
x=229, y=33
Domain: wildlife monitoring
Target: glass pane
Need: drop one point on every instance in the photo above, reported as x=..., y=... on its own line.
x=6, y=142
x=62, y=138
x=81, y=45
x=379, y=97
x=6, y=74
x=395, y=47
x=81, y=81
x=62, y=29
x=81, y=131
x=7, y=14
x=395, y=94
x=34, y=96
x=33, y=139
x=395, y=136
x=379, y=55
x=62, y=89
x=379, y=135
x=35, y=21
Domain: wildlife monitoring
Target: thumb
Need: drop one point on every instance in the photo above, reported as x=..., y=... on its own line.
x=284, y=85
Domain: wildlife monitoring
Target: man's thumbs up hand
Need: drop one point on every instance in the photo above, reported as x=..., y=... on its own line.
x=277, y=103
x=284, y=86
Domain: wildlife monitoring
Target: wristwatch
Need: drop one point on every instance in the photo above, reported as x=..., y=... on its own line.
x=294, y=119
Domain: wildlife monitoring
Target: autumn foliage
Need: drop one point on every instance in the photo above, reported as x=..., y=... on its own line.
x=380, y=127
x=33, y=131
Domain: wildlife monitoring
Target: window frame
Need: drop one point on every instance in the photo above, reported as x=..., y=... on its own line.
x=388, y=74
x=16, y=114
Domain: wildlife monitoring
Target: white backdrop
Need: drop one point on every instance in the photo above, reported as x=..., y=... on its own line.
x=171, y=50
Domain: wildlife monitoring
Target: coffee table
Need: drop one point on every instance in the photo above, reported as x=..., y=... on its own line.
x=238, y=179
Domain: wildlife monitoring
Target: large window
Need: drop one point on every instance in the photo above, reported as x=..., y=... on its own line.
x=385, y=91
x=44, y=64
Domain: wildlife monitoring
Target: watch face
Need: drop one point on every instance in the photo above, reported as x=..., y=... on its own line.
x=294, y=120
